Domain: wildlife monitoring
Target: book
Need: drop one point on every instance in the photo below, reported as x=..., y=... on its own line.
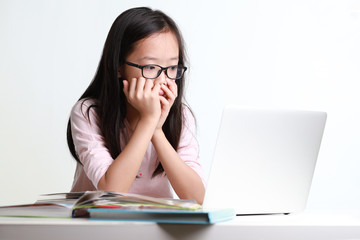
x=197, y=216
x=60, y=207
x=77, y=204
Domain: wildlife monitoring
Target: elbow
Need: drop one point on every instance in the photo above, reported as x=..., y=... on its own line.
x=200, y=198
x=200, y=194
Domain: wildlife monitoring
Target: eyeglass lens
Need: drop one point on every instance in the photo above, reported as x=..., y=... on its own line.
x=153, y=71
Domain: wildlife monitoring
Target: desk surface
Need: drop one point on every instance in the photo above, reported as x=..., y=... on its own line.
x=296, y=226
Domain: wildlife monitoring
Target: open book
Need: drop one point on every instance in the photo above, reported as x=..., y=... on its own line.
x=76, y=204
x=102, y=205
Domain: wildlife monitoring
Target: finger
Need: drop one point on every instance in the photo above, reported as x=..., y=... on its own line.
x=165, y=106
x=149, y=84
x=164, y=102
x=168, y=92
x=172, y=86
x=132, y=87
x=126, y=87
x=140, y=83
x=156, y=88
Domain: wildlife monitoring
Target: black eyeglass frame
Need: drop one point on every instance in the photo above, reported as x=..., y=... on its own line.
x=159, y=72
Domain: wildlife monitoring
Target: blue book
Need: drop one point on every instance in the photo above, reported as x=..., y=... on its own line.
x=199, y=216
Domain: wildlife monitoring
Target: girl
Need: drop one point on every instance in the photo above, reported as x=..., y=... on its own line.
x=130, y=131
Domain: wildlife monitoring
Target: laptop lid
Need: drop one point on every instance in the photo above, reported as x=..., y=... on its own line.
x=264, y=160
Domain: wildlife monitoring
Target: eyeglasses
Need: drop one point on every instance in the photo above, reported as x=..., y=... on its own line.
x=153, y=71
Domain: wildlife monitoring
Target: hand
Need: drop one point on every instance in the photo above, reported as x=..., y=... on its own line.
x=143, y=95
x=167, y=100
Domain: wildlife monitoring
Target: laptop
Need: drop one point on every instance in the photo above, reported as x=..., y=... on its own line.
x=264, y=160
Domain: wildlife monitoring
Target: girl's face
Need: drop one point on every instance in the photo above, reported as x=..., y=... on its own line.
x=159, y=48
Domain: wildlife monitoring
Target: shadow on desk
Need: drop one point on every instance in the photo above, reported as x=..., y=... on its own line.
x=186, y=231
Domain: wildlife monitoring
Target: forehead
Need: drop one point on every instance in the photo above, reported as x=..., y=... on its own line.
x=161, y=45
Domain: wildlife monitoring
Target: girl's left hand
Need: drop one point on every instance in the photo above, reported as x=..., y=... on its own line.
x=167, y=100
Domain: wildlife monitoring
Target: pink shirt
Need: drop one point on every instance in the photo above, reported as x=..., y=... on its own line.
x=96, y=159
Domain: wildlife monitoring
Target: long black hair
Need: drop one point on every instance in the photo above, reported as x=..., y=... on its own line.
x=106, y=89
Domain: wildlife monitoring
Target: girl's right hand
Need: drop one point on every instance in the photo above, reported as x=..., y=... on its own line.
x=143, y=95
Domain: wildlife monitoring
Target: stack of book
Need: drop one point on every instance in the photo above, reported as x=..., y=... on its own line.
x=118, y=206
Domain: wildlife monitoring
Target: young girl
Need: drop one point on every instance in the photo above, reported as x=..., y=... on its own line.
x=130, y=131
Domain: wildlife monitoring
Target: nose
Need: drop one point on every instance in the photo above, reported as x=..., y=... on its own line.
x=161, y=78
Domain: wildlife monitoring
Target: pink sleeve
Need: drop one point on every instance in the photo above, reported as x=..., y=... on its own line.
x=188, y=149
x=89, y=143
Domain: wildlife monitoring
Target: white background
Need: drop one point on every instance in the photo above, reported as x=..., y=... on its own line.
x=283, y=54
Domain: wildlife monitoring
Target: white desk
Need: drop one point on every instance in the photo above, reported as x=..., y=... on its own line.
x=291, y=227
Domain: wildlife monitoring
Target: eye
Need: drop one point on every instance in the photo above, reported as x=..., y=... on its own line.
x=149, y=67
x=174, y=67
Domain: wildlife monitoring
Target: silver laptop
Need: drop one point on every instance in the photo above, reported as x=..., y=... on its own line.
x=264, y=160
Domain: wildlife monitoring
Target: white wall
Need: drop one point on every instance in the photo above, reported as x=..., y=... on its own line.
x=286, y=54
